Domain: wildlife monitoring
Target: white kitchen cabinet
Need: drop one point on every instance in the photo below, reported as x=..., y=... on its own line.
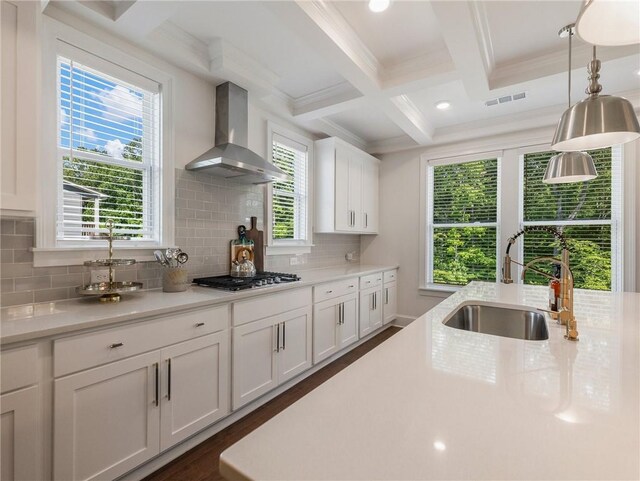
x=346, y=186
x=18, y=106
x=19, y=427
x=390, y=294
x=335, y=326
x=195, y=390
x=107, y=419
x=370, y=310
x=269, y=351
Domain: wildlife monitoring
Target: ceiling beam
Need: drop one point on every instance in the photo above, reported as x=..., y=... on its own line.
x=469, y=52
x=140, y=18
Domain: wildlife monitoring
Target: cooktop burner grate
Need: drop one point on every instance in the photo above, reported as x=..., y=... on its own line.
x=261, y=279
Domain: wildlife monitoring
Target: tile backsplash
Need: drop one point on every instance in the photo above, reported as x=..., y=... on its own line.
x=208, y=212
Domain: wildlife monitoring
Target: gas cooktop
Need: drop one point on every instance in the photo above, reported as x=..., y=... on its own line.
x=262, y=279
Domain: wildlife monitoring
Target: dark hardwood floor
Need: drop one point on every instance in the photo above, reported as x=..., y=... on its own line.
x=201, y=462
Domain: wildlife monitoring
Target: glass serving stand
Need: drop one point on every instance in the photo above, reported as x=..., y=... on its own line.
x=109, y=291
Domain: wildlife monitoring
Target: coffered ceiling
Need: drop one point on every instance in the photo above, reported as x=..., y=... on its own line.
x=336, y=68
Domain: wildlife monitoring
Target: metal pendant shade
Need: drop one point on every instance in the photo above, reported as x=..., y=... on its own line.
x=567, y=167
x=596, y=122
x=606, y=22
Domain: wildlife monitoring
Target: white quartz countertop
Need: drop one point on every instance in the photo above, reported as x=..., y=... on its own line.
x=33, y=321
x=434, y=402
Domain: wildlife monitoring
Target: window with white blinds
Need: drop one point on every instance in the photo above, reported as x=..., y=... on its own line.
x=290, y=202
x=587, y=213
x=108, y=153
x=462, y=225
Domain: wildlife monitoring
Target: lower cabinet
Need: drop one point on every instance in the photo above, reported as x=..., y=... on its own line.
x=390, y=307
x=268, y=352
x=370, y=310
x=110, y=419
x=335, y=326
x=19, y=434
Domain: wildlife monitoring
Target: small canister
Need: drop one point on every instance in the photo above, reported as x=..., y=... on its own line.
x=174, y=279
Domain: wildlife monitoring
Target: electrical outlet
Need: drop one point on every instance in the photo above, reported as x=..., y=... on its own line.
x=293, y=261
x=99, y=275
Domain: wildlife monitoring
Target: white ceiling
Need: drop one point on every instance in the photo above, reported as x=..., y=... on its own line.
x=336, y=68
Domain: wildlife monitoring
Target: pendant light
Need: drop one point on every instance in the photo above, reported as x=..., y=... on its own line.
x=598, y=121
x=567, y=167
x=606, y=22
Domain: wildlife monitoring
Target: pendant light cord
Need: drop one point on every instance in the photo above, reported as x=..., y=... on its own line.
x=569, y=85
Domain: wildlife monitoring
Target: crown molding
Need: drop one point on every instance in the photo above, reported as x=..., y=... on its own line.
x=406, y=115
x=551, y=63
x=236, y=66
x=332, y=129
x=327, y=101
x=333, y=24
x=190, y=49
x=394, y=144
x=417, y=73
x=483, y=32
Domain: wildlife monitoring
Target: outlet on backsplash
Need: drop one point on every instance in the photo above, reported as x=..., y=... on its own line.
x=99, y=275
x=297, y=260
x=350, y=256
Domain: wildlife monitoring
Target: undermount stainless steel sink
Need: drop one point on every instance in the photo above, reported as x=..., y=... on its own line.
x=500, y=321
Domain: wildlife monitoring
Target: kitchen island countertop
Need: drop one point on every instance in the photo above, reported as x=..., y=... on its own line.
x=434, y=402
x=33, y=321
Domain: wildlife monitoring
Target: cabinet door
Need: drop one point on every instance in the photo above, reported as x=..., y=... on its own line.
x=349, y=327
x=294, y=356
x=195, y=391
x=107, y=419
x=325, y=329
x=19, y=426
x=344, y=216
x=370, y=311
x=355, y=191
x=370, y=196
x=390, y=308
x=254, y=362
x=18, y=105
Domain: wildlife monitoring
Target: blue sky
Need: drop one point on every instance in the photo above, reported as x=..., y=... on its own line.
x=106, y=115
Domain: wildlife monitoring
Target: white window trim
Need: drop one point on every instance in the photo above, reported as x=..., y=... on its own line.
x=284, y=247
x=510, y=174
x=49, y=251
x=426, y=180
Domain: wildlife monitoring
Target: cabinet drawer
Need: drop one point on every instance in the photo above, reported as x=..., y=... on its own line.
x=19, y=367
x=390, y=276
x=270, y=305
x=71, y=354
x=371, y=280
x=334, y=289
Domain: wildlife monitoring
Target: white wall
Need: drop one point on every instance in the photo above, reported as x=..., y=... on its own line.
x=398, y=241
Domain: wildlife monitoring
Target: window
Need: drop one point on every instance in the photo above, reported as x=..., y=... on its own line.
x=289, y=203
x=588, y=213
x=462, y=221
x=108, y=153
x=471, y=207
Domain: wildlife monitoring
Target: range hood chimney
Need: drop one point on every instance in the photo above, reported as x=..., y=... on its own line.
x=230, y=157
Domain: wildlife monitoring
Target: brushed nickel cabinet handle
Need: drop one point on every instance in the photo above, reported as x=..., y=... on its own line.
x=116, y=344
x=284, y=336
x=277, y=349
x=169, y=379
x=200, y=324
x=157, y=390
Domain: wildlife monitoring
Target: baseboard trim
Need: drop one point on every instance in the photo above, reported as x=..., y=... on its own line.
x=166, y=457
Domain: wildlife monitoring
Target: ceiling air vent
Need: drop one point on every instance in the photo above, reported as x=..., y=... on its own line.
x=506, y=99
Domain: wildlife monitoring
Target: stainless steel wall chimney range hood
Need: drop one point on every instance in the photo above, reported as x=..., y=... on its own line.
x=230, y=157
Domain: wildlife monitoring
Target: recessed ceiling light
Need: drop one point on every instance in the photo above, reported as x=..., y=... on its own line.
x=379, y=5
x=638, y=72
x=439, y=445
x=443, y=105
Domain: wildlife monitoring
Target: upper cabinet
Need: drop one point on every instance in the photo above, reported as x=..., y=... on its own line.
x=346, y=188
x=18, y=105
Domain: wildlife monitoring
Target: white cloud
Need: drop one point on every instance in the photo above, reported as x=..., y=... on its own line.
x=121, y=104
x=64, y=118
x=114, y=148
x=87, y=135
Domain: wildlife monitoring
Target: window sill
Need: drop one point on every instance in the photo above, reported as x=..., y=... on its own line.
x=76, y=256
x=283, y=250
x=438, y=290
